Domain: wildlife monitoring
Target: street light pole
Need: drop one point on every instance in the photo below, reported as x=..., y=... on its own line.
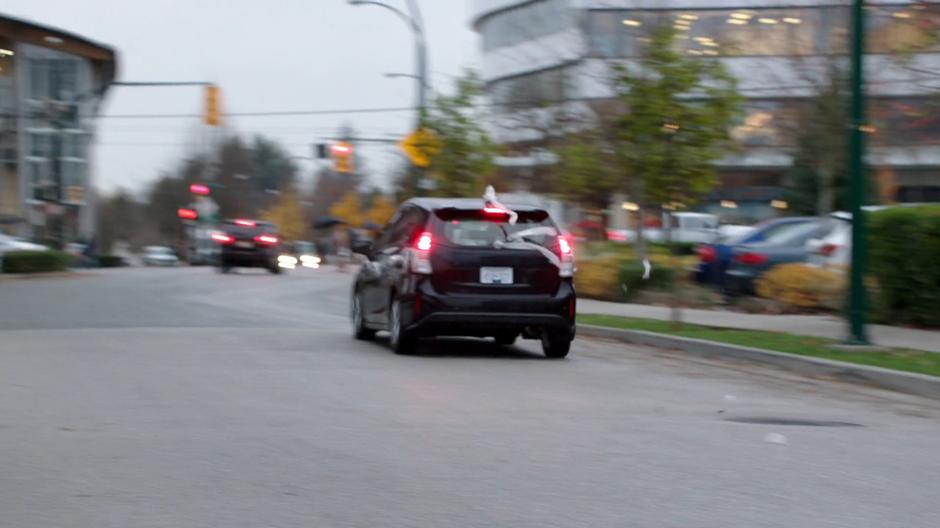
x=415, y=22
x=857, y=179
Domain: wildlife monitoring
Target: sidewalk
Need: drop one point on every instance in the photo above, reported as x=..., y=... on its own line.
x=811, y=325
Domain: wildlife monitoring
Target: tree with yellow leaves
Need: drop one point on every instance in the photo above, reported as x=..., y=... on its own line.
x=287, y=216
x=381, y=210
x=348, y=209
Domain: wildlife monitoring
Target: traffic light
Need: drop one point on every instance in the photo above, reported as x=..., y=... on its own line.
x=187, y=214
x=342, y=157
x=200, y=189
x=213, y=115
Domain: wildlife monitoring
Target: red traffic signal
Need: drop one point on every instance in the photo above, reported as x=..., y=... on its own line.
x=187, y=214
x=341, y=149
x=200, y=189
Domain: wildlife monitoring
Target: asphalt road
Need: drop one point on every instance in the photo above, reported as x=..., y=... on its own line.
x=184, y=398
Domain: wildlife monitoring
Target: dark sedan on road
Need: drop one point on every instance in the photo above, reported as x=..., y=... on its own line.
x=466, y=267
x=750, y=260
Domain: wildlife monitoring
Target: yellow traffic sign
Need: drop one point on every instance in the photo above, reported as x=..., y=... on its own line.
x=421, y=146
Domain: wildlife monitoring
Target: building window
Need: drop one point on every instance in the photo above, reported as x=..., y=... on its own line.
x=38, y=179
x=544, y=87
x=763, y=32
x=55, y=79
x=73, y=173
x=526, y=22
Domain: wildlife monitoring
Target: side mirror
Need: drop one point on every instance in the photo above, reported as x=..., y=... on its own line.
x=362, y=247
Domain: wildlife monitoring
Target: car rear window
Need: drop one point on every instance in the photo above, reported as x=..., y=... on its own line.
x=476, y=228
x=248, y=231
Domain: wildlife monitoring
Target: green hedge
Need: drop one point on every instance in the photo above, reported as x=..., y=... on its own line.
x=904, y=256
x=110, y=261
x=35, y=261
x=612, y=278
x=631, y=278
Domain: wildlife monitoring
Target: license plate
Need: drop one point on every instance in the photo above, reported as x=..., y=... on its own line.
x=244, y=244
x=496, y=275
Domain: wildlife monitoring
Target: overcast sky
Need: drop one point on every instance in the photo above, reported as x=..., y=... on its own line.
x=267, y=56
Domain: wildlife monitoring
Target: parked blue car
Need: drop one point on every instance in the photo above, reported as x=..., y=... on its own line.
x=714, y=258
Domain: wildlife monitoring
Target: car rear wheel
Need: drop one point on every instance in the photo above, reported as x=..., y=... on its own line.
x=555, y=346
x=402, y=342
x=359, y=324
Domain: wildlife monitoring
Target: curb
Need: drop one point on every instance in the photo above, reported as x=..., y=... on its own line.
x=907, y=382
x=41, y=275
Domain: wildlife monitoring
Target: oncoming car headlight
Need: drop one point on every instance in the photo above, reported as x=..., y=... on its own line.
x=310, y=261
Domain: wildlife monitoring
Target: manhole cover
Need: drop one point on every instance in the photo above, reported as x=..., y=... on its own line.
x=767, y=420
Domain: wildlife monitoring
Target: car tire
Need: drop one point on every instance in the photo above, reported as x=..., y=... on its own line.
x=360, y=330
x=555, y=347
x=276, y=270
x=401, y=341
x=506, y=339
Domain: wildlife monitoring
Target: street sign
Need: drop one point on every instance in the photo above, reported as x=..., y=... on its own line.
x=421, y=146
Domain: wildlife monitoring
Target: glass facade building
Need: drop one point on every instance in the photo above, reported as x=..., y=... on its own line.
x=545, y=52
x=51, y=85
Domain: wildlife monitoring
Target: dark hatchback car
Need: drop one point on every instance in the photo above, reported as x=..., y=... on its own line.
x=463, y=267
x=247, y=244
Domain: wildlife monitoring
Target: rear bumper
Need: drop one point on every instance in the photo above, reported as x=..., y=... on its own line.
x=490, y=314
x=247, y=258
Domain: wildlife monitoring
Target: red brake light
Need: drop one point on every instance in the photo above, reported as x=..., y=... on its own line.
x=564, y=246
x=752, y=259
x=494, y=210
x=187, y=214
x=198, y=188
x=828, y=249
x=245, y=223
x=266, y=239
x=425, y=242
x=222, y=238
x=706, y=253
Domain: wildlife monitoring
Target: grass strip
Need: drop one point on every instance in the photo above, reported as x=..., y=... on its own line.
x=895, y=359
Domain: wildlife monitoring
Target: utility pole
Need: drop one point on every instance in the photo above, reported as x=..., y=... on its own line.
x=857, y=179
x=415, y=21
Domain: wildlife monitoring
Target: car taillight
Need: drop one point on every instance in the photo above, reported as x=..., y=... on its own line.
x=752, y=259
x=421, y=256
x=828, y=249
x=266, y=239
x=222, y=238
x=566, y=257
x=425, y=241
x=706, y=253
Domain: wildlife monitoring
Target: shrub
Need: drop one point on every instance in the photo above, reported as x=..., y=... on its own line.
x=110, y=261
x=904, y=252
x=35, y=261
x=680, y=248
x=598, y=278
x=632, y=281
x=613, y=278
x=803, y=286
